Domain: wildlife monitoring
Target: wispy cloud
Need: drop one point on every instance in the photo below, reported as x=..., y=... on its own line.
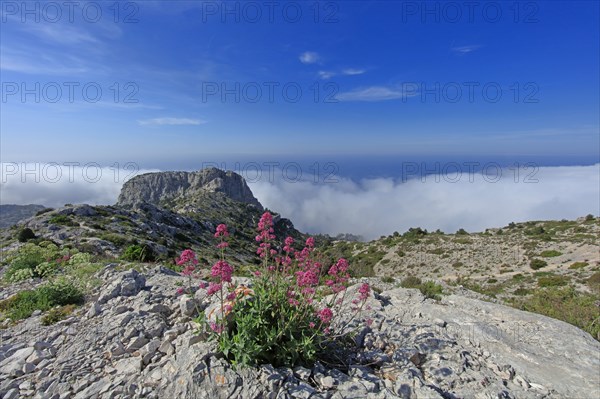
x=31, y=60
x=353, y=71
x=171, y=122
x=309, y=57
x=375, y=93
x=326, y=74
x=466, y=49
x=347, y=72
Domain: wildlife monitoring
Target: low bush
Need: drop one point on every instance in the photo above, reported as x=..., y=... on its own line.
x=594, y=282
x=62, y=220
x=388, y=279
x=117, y=239
x=58, y=293
x=411, y=282
x=578, y=265
x=33, y=260
x=431, y=290
x=566, y=304
x=428, y=288
x=55, y=315
x=521, y=291
x=550, y=253
x=553, y=281
x=46, y=210
x=138, y=253
x=25, y=235
x=537, y=264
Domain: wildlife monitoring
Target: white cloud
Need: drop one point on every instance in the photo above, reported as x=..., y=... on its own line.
x=466, y=49
x=32, y=60
x=375, y=93
x=353, y=71
x=55, y=185
x=348, y=72
x=370, y=207
x=326, y=74
x=309, y=57
x=377, y=207
x=171, y=122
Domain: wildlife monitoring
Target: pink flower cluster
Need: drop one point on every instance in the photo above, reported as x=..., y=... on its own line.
x=222, y=271
x=222, y=233
x=189, y=261
x=325, y=315
x=339, y=276
x=364, y=291
x=265, y=235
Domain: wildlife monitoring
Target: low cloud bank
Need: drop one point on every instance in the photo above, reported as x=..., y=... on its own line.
x=53, y=184
x=369, y=207
x=375, y=207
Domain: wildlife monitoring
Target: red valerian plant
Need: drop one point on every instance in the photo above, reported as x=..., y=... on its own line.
x=297, y=307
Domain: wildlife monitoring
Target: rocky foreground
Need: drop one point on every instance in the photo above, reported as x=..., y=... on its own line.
x=136, y=339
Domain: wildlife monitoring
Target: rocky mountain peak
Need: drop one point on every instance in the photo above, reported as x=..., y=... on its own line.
x=158, y=188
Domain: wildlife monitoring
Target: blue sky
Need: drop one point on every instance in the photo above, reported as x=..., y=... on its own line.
x=371, y=64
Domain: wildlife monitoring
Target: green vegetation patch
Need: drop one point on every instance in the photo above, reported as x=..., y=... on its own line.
x=553, y=281
x=550, y=253
x=578, y=265
x=428, y=288
x=58, y=293
x=62, y=220
x=537, y=264
x=566, y=304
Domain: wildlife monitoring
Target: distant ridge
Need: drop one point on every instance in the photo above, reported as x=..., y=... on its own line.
x=12, y=214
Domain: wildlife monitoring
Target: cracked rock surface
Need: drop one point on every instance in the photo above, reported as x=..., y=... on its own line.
x=138, y=340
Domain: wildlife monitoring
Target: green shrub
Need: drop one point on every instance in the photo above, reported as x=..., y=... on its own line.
x=79, y=258
x=415, y=232
x=522, y=291
x=411, y=282
x=138, y=253
x=116, y=239
x=58, y=293
x=25, y=235
x=537, y=264
x=28, y=257
x=566, y=304
x=428, y=288
x=594, y=282
x=62, y=220
x=550, y=254
x=46, y=210
x=589, y=217
x=578, y=265
x=462, y=232
x=431, y=290
x=388, y=279
x=55, y=315
x=45, y=269
x=261, y=333
x=553, y=281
